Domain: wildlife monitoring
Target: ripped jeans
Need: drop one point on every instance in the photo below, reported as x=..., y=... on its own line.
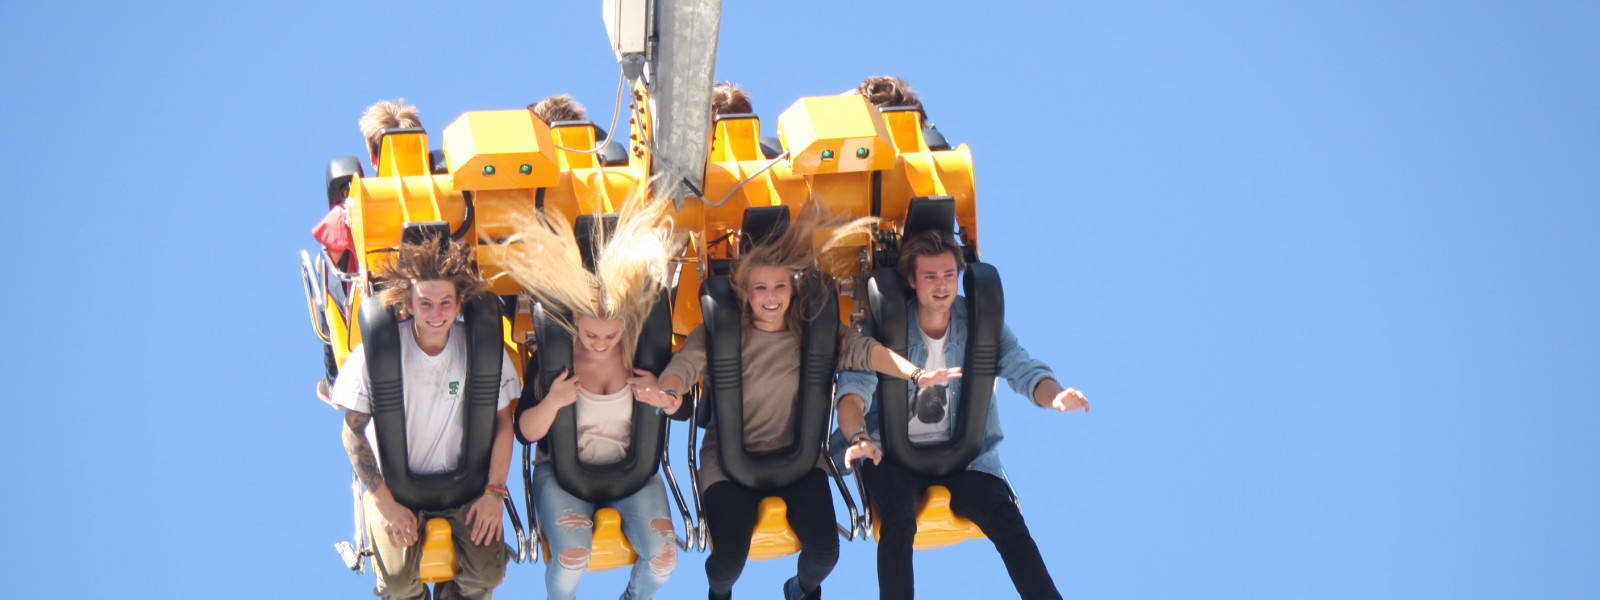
x=568, y=523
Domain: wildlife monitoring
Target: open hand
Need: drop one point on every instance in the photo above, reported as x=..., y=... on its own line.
x=399, y=522
x=648, y=390
x=485, y=519
x=1069, y=400
x=939, y=376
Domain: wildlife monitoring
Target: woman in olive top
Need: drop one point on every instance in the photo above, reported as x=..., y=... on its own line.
x=767, y=279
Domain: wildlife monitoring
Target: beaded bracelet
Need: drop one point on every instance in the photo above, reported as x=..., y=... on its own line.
x=916, y=376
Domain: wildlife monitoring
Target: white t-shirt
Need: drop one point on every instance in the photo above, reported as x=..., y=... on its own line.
x=605, y=425
x=435, y=413
x=930, y=407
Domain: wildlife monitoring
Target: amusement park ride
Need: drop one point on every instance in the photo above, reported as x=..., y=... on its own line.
x=727, y=184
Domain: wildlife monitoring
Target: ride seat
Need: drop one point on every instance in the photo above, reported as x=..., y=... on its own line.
x=610, y=548
x=937, y=525
x=773, y=537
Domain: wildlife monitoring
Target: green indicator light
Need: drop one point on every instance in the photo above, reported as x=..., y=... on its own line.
x=488, y=169
x=861, y=153
x=827, y=155
x=526, y=169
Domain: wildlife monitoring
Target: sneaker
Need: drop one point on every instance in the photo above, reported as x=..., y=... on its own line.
x=791, y=591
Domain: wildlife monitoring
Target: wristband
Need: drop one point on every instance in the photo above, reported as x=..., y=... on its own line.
x=498, y=491
x=859, y=437
x=916, y=376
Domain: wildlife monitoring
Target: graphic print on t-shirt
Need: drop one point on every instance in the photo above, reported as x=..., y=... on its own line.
x=930, y=403
x=930, y=406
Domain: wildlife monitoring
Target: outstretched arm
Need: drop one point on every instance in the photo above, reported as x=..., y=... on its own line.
x=398, y=521
x=1049, y=394
x=888, y=362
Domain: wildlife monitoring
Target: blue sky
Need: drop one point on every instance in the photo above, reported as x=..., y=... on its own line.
x=1327, y=273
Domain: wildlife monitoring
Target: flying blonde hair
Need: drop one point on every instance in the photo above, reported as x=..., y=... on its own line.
x=814, y=241
x=631, y=267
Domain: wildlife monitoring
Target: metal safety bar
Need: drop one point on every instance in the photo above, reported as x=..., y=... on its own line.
x=531, y=554
x=854, y=530
x=691, y=535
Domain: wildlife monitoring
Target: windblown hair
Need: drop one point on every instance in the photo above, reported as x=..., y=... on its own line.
x=559, y=107
x=812, y=246
x=386, y=114
x=887, y=90
x=728, y=98
x=631, y=267
x=435, y=259
x=928, y=243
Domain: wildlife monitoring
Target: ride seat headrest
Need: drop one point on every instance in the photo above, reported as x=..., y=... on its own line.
x=762, y=225
x=419, y=232
x=925, y=213
x=771, y=147
x=437, y=164
x=584, y=231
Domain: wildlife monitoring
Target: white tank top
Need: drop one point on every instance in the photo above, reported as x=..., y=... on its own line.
x=605, y=425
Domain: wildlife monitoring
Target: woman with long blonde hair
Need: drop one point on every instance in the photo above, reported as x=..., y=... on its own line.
x=603, y=309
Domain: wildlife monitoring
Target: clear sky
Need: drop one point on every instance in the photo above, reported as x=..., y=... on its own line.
x=1327, y=272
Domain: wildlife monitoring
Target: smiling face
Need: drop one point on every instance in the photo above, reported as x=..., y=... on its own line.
x=934, y=279
x=599, y=336
x=434, y=306
x=769, y=290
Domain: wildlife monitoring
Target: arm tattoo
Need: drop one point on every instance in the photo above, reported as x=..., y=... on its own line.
x=355, y=444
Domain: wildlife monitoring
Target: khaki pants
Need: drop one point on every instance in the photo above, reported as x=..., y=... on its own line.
x=480, y=568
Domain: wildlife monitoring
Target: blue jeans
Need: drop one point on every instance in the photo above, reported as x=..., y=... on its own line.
x=568, y=523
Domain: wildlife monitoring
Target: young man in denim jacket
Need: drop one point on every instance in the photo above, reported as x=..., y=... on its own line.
x=931, y=262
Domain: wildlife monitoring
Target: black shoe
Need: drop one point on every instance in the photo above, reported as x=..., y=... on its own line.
x=791, y=591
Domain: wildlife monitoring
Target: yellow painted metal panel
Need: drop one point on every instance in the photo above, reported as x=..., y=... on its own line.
x=500, y=149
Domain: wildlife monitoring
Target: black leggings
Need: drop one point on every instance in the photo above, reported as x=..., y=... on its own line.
x=731, y=514
x=980, y=497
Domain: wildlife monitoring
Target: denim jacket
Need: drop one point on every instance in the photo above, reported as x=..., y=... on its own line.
x=1022, y=372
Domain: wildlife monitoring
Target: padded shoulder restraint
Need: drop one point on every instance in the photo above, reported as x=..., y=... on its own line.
x=886, y=298
x=481, y=390
x=819, y=351
x=602, y=483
